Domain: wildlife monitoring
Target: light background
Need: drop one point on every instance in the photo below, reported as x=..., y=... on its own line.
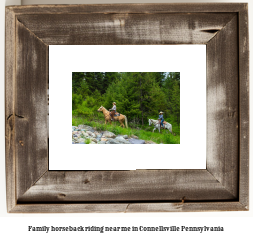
x=237, y=224
x=190, y=61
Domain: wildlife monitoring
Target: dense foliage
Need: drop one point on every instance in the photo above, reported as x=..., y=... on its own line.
x=138, y=95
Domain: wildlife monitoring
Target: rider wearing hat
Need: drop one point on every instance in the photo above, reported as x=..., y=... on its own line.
x=113, y=110
x=161, y=118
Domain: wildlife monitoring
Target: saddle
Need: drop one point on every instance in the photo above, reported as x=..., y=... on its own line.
x=117, y=114
x=164, y=123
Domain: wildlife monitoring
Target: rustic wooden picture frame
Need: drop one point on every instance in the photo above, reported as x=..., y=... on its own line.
x=223, y=186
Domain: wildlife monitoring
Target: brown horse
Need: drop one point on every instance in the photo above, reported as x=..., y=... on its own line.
x=108, y=118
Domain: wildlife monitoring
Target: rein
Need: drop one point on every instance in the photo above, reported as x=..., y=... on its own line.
x=106, y=112
x=154, y=123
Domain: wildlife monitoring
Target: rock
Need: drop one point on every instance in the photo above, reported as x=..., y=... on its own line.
x=73, y=128
x=112, y=141
x=97, y=134
x=136, y=141
x=87, y=128
x=85, y=134
x=81, y=140
x=73, y=142
x=103, y=139
x=109, y=134
x=93, y=139
x=125, y=136
x=81, y=143
x=121, y=140
x=74, y=135
x=91, y=134
x=92, y=142
x=149, y=142
x=102, y=142
x=98, y=138
x=135, y=137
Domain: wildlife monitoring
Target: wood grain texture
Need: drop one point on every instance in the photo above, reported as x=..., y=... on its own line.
x=129, y=8
x=30, y=108
x=222, y=107
x=186, y=207
x=9, y=109
x=244, y=106
x=140, y=185
x=129, y=207
x=121, y=29
x=223, y=186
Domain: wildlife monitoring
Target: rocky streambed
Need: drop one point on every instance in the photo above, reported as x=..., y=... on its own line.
x=84, y=134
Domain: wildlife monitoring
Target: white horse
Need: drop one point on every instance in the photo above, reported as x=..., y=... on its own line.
x=157, y=125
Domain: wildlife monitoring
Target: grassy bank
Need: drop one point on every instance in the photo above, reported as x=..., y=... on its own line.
x=164, y=137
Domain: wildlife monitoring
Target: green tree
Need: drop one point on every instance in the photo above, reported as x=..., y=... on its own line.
x=159, y=77
x=171, y=88
x=139, y=95
x=77, y=80
x=109, y=78
x=94, y=81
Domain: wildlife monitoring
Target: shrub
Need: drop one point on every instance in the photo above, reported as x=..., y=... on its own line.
x=164, y=137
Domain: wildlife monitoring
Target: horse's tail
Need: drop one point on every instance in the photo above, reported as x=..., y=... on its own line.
x=126, y=122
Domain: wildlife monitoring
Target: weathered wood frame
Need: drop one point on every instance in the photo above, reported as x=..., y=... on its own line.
x=223, y=186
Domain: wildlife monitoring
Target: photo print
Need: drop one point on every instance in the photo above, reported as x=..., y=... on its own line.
x=125, y=108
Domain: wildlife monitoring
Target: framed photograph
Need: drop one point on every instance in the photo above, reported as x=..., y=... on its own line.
x=72, y=51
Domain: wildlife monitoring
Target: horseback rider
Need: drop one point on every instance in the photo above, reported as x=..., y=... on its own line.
x=161, y=119
x=113, y=110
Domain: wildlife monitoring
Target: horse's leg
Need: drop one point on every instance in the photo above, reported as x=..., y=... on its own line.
x=154, y=129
